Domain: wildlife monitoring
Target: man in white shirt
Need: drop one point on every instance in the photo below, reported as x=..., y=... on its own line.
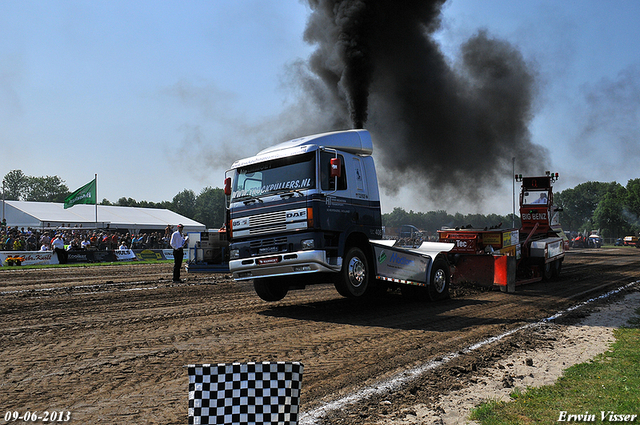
x=542, y=199
x=58, y=246
x=177, y=243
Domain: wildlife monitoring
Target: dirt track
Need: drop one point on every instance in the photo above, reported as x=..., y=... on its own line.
x=109, y=344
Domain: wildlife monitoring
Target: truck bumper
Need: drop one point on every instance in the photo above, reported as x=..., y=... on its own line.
x=290, y=263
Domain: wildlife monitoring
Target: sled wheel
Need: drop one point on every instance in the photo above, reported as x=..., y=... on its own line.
x=440, y=280
x=557, y=268
x=270, y=289
x=353, y=279
x=547, y=270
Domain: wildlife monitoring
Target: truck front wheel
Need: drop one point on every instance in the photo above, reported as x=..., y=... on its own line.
x=270, y=289
x=353, y=279
x=440, y=280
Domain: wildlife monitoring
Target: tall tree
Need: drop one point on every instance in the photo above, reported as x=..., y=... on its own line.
x=184, y=203
x=397, y=217
x=126, y=202
x=631, y=208
x=15, y=185
x=46, y=189
x=608, y=215
x=210, y=208
x=579, y=204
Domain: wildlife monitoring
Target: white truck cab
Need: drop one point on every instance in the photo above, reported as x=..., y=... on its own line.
x=304, y=212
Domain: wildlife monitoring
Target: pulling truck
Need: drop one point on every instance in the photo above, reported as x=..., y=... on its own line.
x=509, y=257
x=307, y=211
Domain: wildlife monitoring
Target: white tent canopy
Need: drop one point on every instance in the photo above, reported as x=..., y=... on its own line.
x=50, y=215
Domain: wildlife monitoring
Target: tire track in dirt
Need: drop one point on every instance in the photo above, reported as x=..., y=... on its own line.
x=118, y=356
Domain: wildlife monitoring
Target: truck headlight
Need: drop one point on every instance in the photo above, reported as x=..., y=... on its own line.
x=234, y=254
x=308, y=244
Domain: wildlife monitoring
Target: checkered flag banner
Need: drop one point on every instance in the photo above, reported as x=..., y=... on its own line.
x=265, y=393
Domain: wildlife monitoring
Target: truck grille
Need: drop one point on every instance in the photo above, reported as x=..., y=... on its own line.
x=270, y=229
x=263, y=243
x=269, y=223
x=268, y=218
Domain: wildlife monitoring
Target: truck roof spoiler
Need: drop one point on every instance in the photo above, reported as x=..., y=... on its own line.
x=357, y=142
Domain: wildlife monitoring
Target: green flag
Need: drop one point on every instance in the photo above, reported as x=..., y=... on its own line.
x=85, y=195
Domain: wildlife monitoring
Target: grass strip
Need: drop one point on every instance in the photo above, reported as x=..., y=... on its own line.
x=107, y=263
x=603, y=390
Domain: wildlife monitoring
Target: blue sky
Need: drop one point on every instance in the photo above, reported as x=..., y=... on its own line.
x=161, y=96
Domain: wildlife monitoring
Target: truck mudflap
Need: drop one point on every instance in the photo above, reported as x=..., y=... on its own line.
x=410, y=266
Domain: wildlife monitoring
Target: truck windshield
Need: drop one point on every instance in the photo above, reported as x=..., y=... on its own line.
x=275, y=176
x=535, y=197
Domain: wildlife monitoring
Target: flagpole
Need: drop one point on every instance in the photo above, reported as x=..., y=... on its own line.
x=96, y=201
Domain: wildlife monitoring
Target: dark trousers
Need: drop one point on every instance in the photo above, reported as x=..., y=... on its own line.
x=178, y=255
x=62, y=255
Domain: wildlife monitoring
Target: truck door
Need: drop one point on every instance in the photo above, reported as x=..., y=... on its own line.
x=335, y=213
x=328, y=184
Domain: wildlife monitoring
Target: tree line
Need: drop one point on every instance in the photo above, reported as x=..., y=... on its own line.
x=610, y=208
x=432, y=221
x=207, y=207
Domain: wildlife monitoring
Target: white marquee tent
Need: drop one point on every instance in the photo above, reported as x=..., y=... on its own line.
x=50, y=215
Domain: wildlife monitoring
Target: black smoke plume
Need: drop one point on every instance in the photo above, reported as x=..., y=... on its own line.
x=449, y=124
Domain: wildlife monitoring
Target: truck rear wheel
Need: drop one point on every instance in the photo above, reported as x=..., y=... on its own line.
x=270, y=289
x=440, y=280
x=353, y=279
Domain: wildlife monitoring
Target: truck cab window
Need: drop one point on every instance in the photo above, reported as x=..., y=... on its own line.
x=535, y=197
x=280, y=175
x=250, y=181
x=327, y=183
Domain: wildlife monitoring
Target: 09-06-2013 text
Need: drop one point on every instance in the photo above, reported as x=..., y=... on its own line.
x=29, y=416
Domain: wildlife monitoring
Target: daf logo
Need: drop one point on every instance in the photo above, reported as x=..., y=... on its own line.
x=297, y=214
x=242, y=222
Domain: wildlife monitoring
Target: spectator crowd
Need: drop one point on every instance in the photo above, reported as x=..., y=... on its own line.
x=21, y=239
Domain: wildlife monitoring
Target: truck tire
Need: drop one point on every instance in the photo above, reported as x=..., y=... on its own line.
x=440, y=280
x=270, y=289
x=547, y=270
x=556, y=268
x=353, y=279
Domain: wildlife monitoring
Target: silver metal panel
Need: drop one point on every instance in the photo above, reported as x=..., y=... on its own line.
x=401, y=264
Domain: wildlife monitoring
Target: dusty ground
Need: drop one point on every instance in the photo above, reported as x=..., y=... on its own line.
x=109, y=344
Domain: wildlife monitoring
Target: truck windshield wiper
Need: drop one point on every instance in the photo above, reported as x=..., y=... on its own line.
x=253, y=199
x=282, y=193
x=290, y=192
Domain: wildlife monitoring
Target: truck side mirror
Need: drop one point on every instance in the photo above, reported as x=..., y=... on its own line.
x=336, y=168
x=227, y=186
